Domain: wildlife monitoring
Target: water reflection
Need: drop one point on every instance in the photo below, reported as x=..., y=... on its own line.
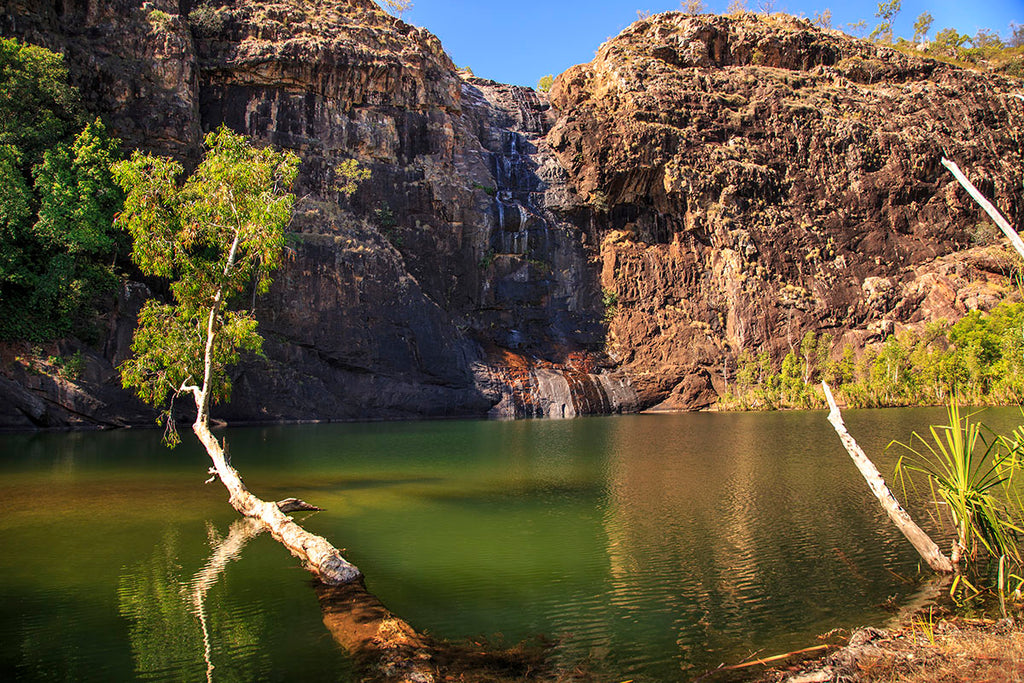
x=224, y=550
x=753, y=542
x=177, y=627
x=647, y=546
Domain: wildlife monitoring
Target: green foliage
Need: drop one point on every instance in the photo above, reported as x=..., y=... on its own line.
x=206, y=20
x=217, y=236
x=756, y=386
x=15, y=199
x=985, y=50
x=57, y=201
x=160, y=21
x=69, y=367
x=922, y=26
x=38, y=108
x=348, y=174
x=77, y=198
x=55, y=267
x=887, y=12
x=489, y=190
x=950, y=39
x=759, y=387
x=610, y=301
x=980, y=359
x=987, y=362
x=985, y=39
x=545, y=83
x=969, y=470
x=385, y=219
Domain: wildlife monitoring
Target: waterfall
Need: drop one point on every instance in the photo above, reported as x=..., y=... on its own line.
x=528, y=387
x=531, y=300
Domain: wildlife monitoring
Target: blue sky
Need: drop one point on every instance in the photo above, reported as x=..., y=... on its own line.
x=518, y=42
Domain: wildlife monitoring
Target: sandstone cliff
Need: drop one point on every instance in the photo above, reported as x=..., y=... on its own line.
x=729, y=181
x=756, y=177
x=445, y=286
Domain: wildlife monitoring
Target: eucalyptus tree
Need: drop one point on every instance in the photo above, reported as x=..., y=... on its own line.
x=922, y=26
x=214, y=236
x=887, y=11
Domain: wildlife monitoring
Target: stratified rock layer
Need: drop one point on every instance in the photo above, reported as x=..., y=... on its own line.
x=756, y=177
x=400, y=301
x=705, y=185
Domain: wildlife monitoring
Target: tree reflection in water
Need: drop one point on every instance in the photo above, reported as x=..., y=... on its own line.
x=170, y=630
x=224, y=550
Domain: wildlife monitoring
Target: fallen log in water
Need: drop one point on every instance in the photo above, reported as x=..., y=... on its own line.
x=921, y=541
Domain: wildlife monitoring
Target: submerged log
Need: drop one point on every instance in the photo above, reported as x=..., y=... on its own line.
x=385, y=647
x=921, y=541
x=316, y=553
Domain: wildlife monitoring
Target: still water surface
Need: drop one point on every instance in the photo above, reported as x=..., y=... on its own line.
x=650, y=547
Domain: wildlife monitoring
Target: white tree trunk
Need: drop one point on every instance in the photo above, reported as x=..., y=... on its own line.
x=923, y=543
x=984, y=203
x=316, y=553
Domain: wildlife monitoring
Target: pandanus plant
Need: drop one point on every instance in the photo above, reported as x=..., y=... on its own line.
x=971, y=473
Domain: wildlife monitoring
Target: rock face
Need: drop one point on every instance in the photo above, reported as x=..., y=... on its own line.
x=756, y=178
x=427, y=292
x=706, y=184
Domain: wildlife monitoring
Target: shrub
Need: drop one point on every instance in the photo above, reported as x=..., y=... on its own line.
x=160, y=21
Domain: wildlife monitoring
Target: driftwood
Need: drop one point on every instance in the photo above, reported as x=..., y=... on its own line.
x=923, y=543
x=315, y=552
x=984, y=203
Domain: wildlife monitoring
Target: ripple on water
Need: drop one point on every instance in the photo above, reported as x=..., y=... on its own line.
x=650, y=547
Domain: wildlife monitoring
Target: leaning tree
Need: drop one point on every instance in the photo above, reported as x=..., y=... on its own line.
x=216, y=237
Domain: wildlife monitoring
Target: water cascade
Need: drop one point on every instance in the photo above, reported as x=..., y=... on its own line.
x=532, y=387
x=540, y=315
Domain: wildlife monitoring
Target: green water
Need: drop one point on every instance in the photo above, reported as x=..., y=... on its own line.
x=649, y=547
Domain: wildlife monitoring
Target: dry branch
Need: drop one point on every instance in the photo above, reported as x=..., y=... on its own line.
x=923, y=543
x=990, y=209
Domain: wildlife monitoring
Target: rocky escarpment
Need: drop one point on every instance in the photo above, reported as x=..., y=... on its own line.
x=705, y=185
x=427, y=292
x=756, y=177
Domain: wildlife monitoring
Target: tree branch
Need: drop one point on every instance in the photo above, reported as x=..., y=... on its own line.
x=923, y=543
x=991, y=210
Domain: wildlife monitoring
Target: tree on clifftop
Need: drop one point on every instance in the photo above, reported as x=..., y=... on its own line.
x=399, y=7
x=215, y=236
x=922, y=26
x=887, y=12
